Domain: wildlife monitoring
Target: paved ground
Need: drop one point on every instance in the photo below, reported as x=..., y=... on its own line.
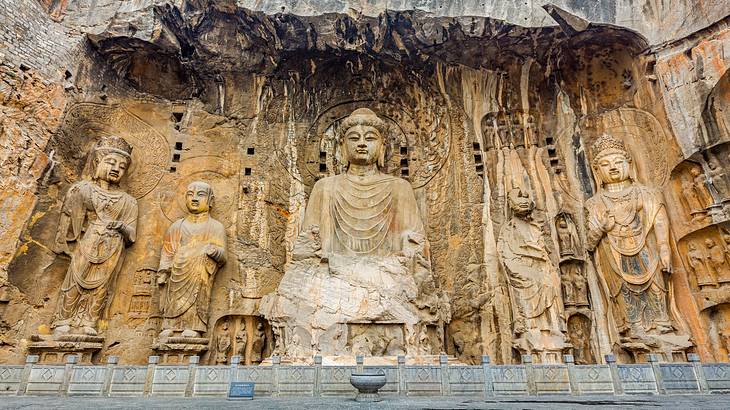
x=331, y=403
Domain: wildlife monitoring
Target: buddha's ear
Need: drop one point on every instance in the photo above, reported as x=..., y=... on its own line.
x=343, y=154
x=381, y=156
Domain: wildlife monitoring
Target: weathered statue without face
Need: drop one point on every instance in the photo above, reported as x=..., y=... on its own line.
x=537, y=308
x=628, y=229
x=102, y=219
x=193, y=250
x=361, y=260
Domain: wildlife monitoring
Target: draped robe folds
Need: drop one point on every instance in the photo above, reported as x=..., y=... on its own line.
x=100, y=251
x=628, y=256
x=534, y=282
x=362, y=256
x=187, y=297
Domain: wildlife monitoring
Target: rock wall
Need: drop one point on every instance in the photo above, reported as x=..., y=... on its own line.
x=249, y=101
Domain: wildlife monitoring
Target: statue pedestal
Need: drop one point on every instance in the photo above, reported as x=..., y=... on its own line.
x=174, y=350
x=669, y=347
x=54, y=349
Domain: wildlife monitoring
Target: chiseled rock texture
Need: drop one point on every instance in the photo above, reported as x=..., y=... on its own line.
x=480, y=97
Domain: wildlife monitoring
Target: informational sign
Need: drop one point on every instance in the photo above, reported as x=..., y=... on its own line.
x=241, y=390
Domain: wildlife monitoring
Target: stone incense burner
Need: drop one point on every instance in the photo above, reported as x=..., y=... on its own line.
x=367, y=385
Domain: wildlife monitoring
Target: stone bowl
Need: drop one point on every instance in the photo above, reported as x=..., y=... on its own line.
x=367, y=385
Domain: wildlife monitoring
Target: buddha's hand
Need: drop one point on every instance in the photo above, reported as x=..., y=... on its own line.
x=213, y=252
x=607, y=221
x=115, y=225
x=162, y=275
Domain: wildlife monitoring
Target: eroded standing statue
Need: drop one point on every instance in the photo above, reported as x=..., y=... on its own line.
x=628, y=230
x=537, y=307
x=193, y=250
x=102, y=219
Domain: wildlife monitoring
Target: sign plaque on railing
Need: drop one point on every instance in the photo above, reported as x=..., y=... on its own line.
x=241, y=391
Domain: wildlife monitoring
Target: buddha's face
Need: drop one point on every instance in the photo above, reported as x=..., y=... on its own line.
x=112, y=167
x=613, y=167
x=198, y=197
x=520, y=201
x=363, y=144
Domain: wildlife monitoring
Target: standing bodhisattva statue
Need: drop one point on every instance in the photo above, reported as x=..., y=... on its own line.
x=193, y=250
x=102, y=219
x=628, y=230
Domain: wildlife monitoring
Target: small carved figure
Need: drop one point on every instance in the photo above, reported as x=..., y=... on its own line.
x=102, y=219
x=193, y=250
x=698, y=263
x=628, y=229
x=567, y=236
x=717, y=262
x=726, y=245
x=223, y=344
x=533, y=279
x=242, y=341
x=259, y=342
x=718, y=177
x=575, y=286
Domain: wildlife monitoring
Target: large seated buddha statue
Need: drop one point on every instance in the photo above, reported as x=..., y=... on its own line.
x=360, y=279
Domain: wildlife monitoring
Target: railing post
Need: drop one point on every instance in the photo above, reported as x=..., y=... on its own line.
x=360, y=363
x=618, y=388
x=445, y=385
x=192, y=369
x=111, y=363
x=401, y=375
x=570, y=365
x=694, y=358
x=317, y=376
x=531, y=387
x=488, y=377
x=68, y=369
x=150, y=376
x=653, y=360
x=30, y=360
x=235, y=361
x=275, y=364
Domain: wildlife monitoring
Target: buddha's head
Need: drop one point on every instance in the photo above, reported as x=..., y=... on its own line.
x=199, y=197
x=112, y=158
x=611, y=162
x=520, y=201
x=363, y=141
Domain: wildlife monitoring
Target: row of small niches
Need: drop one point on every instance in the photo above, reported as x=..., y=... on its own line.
x=485, y=380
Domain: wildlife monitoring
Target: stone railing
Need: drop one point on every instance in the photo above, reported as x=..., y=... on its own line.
x=486, y=380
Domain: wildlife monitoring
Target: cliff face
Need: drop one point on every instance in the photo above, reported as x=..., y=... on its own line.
x=479, y=97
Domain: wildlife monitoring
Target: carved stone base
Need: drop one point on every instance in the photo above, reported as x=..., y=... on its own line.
x=52, y=349
x=544, y=348
x=174, y=350
x=669, y=347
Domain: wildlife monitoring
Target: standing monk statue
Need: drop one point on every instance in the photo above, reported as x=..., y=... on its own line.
x=102, y=219
x=628, y=231
x=193, y=250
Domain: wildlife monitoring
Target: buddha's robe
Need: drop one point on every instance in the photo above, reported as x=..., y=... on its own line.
x=99, y=254
x=187, y=297
x=628, y=256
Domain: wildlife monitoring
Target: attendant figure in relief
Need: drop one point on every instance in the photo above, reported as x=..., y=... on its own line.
x=242, y=341
x=259, y=342
x=628, y=229
x=698, y=263
x=193, y=250
x=102, y=219
x=718, y=263
x=223, y=344
x=533, y=279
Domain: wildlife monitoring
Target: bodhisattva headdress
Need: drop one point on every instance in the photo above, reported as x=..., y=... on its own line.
x=364, y=116
x=608, y=144
x=111, y=143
